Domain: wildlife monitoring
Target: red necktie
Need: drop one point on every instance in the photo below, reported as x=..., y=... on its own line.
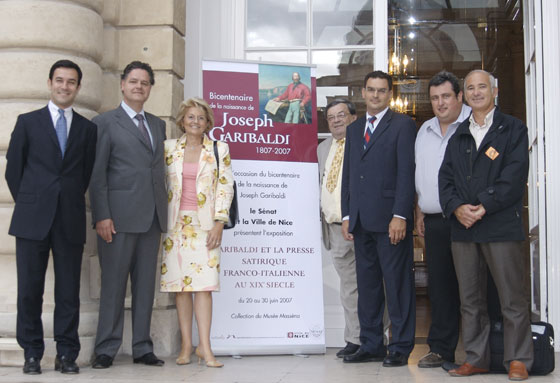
x=369, y=131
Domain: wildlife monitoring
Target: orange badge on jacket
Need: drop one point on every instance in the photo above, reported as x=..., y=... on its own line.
x=492, y=153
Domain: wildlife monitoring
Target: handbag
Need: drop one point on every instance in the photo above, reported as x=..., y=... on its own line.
x=233, y=210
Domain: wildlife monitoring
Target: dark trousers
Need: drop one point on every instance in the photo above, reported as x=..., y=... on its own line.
x=377, y=261
x=443, y=290
x=32, y=258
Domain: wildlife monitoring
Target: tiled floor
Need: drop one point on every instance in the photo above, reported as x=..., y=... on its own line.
x=275, y=369
x=262, y=369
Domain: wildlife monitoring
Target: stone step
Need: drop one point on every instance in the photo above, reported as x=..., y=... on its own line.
x=12, y=355
x=164, y=331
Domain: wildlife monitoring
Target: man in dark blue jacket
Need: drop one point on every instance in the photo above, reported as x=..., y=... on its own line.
x=377, y=200
x=50, y=160
x=481, y=186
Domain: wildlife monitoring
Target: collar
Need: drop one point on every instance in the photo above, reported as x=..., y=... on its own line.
x=464, y=115
x=54, y=109
x=487, y=120
x=131, y=112
x=378, y=116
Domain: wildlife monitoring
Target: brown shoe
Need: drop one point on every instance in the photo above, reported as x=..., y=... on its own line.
x=517, y=371
x=467, y=370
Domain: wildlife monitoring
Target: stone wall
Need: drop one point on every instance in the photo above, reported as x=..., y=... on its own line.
x=102, y=36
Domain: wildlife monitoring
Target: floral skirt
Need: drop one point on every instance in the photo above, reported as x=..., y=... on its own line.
x=187, y=264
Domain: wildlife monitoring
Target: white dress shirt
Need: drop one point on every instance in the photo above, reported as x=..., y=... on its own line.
x=479, y=131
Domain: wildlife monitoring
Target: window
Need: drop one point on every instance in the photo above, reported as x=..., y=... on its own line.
x=335, y=35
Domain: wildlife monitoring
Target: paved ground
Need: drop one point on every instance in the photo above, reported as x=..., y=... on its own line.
x=263, y=369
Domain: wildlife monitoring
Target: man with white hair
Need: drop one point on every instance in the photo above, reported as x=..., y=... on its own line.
x=481, y=186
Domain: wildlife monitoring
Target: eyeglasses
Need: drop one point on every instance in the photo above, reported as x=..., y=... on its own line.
x=339, y=116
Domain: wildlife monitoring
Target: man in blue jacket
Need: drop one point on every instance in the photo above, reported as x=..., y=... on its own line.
x=377, y=200
x=481, y=186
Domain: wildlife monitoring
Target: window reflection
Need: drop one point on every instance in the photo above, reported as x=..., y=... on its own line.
x=342, y=22
x=276, y=23
x=297, y=57
x=340, y=73
x=459, y=36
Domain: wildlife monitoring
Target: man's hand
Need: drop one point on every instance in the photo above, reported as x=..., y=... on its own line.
x=468, y=214
x=419, y=223
x=397, y=230
x=214, y=237
x=105, y=229
x=347, y=236
x=480, y=211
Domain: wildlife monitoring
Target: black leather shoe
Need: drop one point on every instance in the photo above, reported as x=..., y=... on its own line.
x=102, y=361
x=362, y=356
x=350, y=349
x=149, y=359
x=395, y=359
x=66, y=365
x=32, y=366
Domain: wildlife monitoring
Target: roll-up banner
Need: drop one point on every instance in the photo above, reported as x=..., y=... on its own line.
x=271, y=289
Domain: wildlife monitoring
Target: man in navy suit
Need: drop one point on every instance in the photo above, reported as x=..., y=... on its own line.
x=377, y=210
x=50, y=160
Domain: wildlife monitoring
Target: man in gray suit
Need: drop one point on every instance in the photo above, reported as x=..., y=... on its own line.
x=339, y=113
x=129, y=208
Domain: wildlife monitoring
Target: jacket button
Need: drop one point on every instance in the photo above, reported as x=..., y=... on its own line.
x=361, y=177
x=468, y=150
x=468, y=178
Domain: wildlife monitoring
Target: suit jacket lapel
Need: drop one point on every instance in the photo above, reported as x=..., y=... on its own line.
x=74, y=130
x=126, y=123
x=323, y=155
x=206, y=151
x=178, y=157
x=382, y=126
x=152, y=123
x=46, y=121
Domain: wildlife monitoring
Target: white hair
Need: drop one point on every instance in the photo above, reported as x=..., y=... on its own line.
x=492, y=78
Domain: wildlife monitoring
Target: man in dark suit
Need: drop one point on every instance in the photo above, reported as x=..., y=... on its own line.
x=129, y=206
x=50, y=159
x=377, y=205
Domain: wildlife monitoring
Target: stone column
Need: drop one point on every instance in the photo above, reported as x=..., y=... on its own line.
x=101, y=36
x=33, y=35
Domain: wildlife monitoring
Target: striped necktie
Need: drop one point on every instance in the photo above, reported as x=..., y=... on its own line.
x=369, y=131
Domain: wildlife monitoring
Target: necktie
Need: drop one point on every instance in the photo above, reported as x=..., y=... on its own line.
x=369, y=131
x=61, y=129
x=332, y=178
x=143, y=129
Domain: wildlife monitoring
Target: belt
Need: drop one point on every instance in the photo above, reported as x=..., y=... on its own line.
x=336, y=223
